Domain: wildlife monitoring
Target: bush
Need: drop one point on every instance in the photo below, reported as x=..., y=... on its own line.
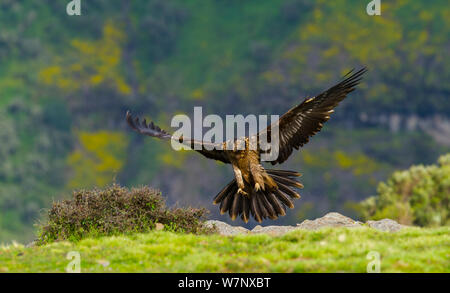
x=116, y=210
x=419, y=196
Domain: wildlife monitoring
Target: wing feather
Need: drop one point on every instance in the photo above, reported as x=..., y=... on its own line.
x=301, y=122
x=213, y=151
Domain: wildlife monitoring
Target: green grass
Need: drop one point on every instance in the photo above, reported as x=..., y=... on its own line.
x=326, y=250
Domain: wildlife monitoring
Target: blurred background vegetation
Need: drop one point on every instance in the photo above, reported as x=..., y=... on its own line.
x=66, y=83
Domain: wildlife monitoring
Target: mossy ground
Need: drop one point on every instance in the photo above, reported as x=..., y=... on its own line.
x=326, y=250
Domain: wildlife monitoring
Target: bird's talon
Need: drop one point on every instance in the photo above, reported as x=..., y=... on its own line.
x=257, y=187
x=241, y=191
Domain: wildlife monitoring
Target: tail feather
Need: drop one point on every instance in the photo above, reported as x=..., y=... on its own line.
x=235, y=206
x=283, y=173
x=245, y=216
x=288, y=191
x=225, y=192
x=269, y=208
x=284, y=198
x=260, y=204
x=287, y=181
x=254, y=208
x=225, y=205
x=262, y=208
x=279, y=208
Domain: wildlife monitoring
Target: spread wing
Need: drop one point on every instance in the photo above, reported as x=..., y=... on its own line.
x=303, y=121
x=208, y=149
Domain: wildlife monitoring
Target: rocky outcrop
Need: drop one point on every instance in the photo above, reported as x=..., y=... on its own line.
x=273, y=230
x=226, y=229
x=386, y=225
x=329, y=220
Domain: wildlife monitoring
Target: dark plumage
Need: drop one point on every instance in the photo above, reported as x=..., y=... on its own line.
x=264, y=193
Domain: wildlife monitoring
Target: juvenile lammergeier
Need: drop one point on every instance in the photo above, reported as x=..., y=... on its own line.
x=264, y=193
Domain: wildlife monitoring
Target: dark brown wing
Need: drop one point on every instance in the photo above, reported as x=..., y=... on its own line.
x=303, y=121
x=213, y=151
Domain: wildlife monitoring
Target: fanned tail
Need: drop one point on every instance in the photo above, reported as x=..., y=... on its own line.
x=260, y=204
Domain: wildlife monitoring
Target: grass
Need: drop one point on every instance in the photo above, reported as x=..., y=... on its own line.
x=326, y=250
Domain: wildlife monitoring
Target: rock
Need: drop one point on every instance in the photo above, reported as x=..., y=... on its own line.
x=159, y=227
x=386, y=225
x=31, y=244
x=329, y=220
x=225, y=229
x=273, y=230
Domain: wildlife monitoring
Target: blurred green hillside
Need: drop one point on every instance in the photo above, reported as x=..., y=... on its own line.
x=67, y=81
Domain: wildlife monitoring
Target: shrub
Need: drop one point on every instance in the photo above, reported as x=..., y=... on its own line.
x=116, y=210
x=419, y=196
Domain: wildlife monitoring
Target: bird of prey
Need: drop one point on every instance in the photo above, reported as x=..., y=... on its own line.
x=256, y=191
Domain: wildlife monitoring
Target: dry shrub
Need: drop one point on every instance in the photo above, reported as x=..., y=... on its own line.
x=116, y=210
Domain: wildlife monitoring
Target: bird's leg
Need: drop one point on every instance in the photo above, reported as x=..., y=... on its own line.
x=257, y=171
x=239, y=180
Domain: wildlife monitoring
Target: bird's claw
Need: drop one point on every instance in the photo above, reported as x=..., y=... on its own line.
x=257, y=187
x=241, y=191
